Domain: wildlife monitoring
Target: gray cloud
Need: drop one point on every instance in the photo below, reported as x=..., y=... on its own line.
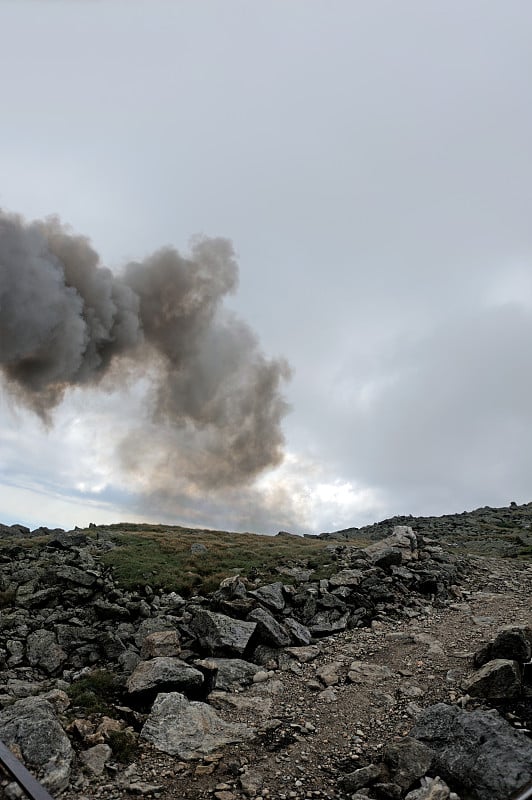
x=444, y=421
x=66, y=321
x=373, y=165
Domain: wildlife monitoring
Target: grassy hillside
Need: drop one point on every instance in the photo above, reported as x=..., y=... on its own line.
x=165, y=557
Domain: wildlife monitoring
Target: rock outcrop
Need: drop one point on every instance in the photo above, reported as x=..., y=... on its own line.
x=86, y=667
x=31, y=728
x=475, y=750
x=189, y=729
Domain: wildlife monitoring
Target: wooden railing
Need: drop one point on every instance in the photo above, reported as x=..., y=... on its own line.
x=20, y=774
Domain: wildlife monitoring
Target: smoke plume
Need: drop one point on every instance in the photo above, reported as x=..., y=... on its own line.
x=215, y=403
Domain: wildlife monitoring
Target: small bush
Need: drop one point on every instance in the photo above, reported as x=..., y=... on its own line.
x=124, y=745
x=95, y=692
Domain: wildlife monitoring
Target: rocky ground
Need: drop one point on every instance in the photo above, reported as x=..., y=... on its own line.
x=503, y=531
x=321, y=719
x=307, y=716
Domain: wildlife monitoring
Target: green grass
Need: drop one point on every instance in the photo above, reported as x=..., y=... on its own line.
x=124, y=745
x=95, y=693
x=161, y=557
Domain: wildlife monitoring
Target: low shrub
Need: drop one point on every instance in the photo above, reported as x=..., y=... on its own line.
x=124, y=745
x=96, y=692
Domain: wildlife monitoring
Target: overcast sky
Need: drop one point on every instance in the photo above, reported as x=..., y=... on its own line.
x=371, y=163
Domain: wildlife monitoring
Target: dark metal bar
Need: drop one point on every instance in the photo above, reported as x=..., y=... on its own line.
x=524, y=794
x=25, y=779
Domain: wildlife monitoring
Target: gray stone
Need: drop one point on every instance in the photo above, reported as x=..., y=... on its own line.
x=434, y=645
x=64, y=540
x=31, y=725
x=234, y=672
x=360, y=778
x=164, y=674
x=328, y=600
x=513, y=642
x=296, y=573
x=29, y=598
x=408, y=760
x=346, y=577
x=58, y=699
x=78, y=577
x=250, y=783
x=106, y=610
x=233, y=588
x=220, y=634
x=143, y=788
x=258, y=705
x=198, y=549
x=496, y=680
x=20, y=688
x=268, y=629
x=95, y=758
x=161, y=643
x=299, y=633
x=326, y=622
x=328, y=695
x=267, y=656
x=43, y=651
x=476, y=751
x=128, y=660
x=403, y=539
x=304, y=654
x=328, y=673
x=173, y=601
x=271, y=595
x=189, y=730
x=15, y=648
x=432, y=789
x=153, y=625
x=71, y=636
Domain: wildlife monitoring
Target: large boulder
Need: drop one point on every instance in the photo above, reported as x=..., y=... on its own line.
x=74, y=575
x=31, y=726
x=496, y=680
x=270, y=595
x=408, y=760
x=403, y=539
x=513, y=642
x=161, y=643
x=221, y=635
x=325, y=623
x=163, y=674
x=43, y=651
x=189, y=730
x=478, y=753
x=234, y=672
x=299, y=633
x=268, y=629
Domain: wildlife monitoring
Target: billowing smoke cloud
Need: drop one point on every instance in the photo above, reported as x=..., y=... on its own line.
x=67, y=321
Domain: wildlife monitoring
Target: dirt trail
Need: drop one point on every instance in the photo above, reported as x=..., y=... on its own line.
x=310, y=733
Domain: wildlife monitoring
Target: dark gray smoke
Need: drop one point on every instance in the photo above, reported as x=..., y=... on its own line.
x=66, y=321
